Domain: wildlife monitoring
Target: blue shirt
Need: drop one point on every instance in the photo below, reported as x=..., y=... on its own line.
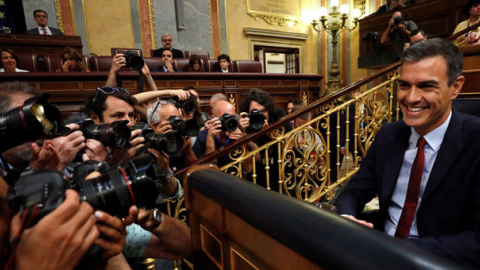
x=434, y=141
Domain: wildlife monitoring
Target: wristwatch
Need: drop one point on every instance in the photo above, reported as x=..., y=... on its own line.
x=157, y=217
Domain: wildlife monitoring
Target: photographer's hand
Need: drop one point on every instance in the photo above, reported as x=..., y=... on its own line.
x=243, y=122
x=60, y=239
x=213, y=131
x=163, y=127
x=68, y=146
x=170, y=188
x=95, y=150
x=112, y=234
x=117, y=63
x=120, y=154
x=181, y=94
x=45, y=157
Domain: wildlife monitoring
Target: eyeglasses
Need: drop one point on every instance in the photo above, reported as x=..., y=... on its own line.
x=167, y=40
x=161, y=102
x=108, y=90
x=41, y=16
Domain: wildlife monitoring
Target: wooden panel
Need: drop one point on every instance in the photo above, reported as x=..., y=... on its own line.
x=39, y=44
x=269, y=83
x=210, y=83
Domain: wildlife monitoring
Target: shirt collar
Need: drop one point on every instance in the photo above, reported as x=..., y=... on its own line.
x=435, y=137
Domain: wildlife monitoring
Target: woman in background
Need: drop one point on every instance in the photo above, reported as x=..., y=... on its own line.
x=9, y=61
x=195, y=64
x=71, y=60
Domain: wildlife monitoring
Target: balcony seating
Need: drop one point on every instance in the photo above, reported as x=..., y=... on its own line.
x=203, y=55
x=246, y=66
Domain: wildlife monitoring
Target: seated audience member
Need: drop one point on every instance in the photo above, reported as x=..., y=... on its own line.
x=472, y=12
x=195, y=64
x=291, y=103
x=398, y=30
x=167, y=43
x=223, y=62
x=214, y=138
x=9, y=61
x=158, y=114
x=71, y=60
x=424, y=168
x=41, y=18
x=168, y=61
x=416, y=36
x=263, y=102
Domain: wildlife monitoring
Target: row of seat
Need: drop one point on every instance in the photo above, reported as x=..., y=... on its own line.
x=42, y=62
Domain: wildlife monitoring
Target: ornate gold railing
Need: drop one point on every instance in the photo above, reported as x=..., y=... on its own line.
x=303, y=156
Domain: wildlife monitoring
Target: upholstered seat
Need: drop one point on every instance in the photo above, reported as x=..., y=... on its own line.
x=27, y=61
x=246, y=66
x=203, y=55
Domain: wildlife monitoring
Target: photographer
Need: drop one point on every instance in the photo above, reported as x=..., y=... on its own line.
x=398, y=30
x=220, y=133
x=157, y=115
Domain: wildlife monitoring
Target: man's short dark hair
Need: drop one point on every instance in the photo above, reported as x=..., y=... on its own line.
x=223, y=56
x=96, y=103
x=260, y=96
x=437, y=47
x=7, y=89
x=39, y=10
x=416, y=31
x=468, y=6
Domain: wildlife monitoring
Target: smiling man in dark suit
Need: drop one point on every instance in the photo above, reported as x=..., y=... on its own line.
x=430, y=193
x=41, y=17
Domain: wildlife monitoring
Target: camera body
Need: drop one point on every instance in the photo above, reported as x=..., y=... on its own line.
x=188, y=106
x=398, y=20
x=189, y=127
x=229, y=122
x=169, y=142
x=115, y=134
x=257, y=119
x=133, y=60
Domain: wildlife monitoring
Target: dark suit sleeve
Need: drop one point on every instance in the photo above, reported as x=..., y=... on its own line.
x=56, y=32
x=200, y=144
x=33, y=31
x=362, y=187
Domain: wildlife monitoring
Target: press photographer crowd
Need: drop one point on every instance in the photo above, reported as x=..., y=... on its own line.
x=85, y=193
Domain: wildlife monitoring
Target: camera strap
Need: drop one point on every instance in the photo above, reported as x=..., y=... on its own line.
x=141, y=79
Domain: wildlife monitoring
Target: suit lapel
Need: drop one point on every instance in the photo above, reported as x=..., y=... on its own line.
x=449, y=150
x=398, y=145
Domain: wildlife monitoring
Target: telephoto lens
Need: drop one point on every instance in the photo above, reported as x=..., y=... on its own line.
x=257, y=119
x=115, y=134
x=229, y=122
x=35, y=119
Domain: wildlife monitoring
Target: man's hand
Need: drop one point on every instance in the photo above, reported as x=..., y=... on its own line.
x=181, y=94
x=235, y=135
x=163, y=127
x=140, y=217
x=243, y=122
x=363, y=222
x=68, y=146
x=117, y=63
x=146, y=70
x=120, y=154
x=168, y=65
x=95, y=150
x=45, y=157
x=215, y=128
x=473, y=38
x=112, y=234
x=60, y=239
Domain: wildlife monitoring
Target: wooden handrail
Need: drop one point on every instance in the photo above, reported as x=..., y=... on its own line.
x=286, y=119
x=456, y=35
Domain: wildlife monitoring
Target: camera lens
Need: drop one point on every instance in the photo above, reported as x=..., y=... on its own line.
x=170, y=142
x=133, y=60
x=115, y=134
x=257, y=119
x=229, y=122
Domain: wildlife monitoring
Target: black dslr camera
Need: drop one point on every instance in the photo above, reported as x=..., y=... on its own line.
x=134, y=60
x=257, y=119
x=188, y=106
x=229, y=122
x=35, y=119
x=170, y=142
x=398, y=20
x=132, y=182
x=186, y=128
x=115, y=134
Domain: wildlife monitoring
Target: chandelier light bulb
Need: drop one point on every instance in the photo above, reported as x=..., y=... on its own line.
x=344, y=9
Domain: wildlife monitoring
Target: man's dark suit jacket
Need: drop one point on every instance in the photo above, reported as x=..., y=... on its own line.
x=160, y=69
x=176, y=53
x=35, y=31
x=448, y=219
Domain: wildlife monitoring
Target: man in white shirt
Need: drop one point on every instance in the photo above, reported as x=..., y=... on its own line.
x=41, y=17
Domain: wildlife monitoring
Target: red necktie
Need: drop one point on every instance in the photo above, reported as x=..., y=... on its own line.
x=413, y=192
x=44, y=31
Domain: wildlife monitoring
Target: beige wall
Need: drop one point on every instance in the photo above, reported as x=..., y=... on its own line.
x=108, y=24
x=238, y=19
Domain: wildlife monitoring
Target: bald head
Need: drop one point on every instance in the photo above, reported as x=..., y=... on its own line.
x=217, y=97
x=221, y=107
